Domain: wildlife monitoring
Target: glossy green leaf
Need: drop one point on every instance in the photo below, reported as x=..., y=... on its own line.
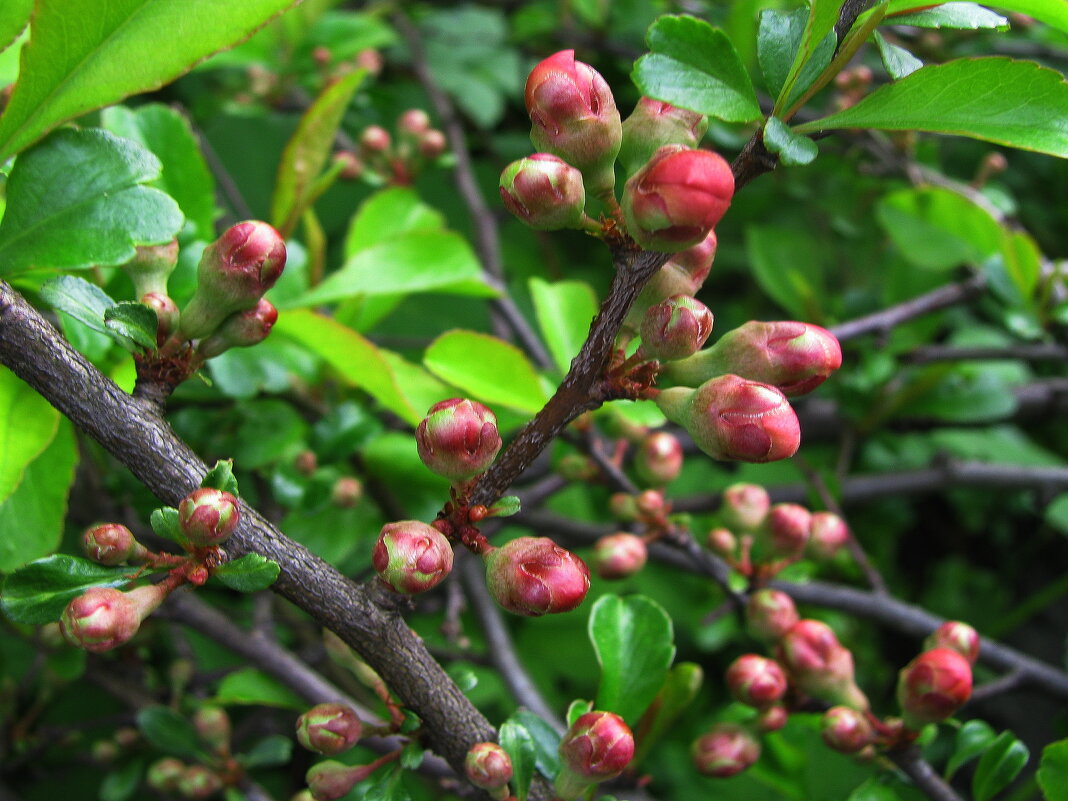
x=249, y=686
x=83, y=301
x=999, y=765
x=973, y=738
x=546, y=742
x=675, y=697
x=779, y=37
x=14, y=16
x=967, y=16
x=85, y=55
x=634, y=641
x=133, y=322
x=249, y=573
x=491, y=370
x=874, y=790
x=164, y=522
x=695, y=66
x=275, y=749
x=519, y=743
x=564, y=310
x=185, y=176
x=169, y=731
x=31, y=518
x=505, y=506
x=967, y=97
x=898, y=61
x=307, y=152
x=221, y=477
x=39, y=592
x=1051, y=12
x=28, y=423
x=1053, y=771
x=77, y=200
x=122, y=782
x=386, y=215
x=787, y=263
x=791, y=148
x=576, y=709
x=822, y=15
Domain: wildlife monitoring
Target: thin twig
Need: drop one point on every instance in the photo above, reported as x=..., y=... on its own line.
x=1048, y=351
x=925, y=777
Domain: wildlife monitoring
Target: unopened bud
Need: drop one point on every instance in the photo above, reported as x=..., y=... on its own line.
x=412, y=557
x=577, y=467
x=241, y=329
x=213, y=725
x=351, y=166
x=683, y=275
x=375, y=140
x=617, y=556
x=151, y=267
x=111, y=544
x=819, y=665
x=744, y=506
x=827, y=534
x=650, y=504
x=329, y=729
x=197, y=782
x=167, y=314
x=330, y=779
x=306, y=463
x=458, y=439
x=846, y=730
x=622, y=507
x=597, y=747
x=675, y=328
x=722, y=542
x=432, y=144
x=544, y=191
x=488, y=766
x=653, y=124
x=208, y=516
x=414, y=121
x=534, y=576
x=786, y=530
x=659, y=458
x=727, y=749
x=162, y=775
x=346, y=492
x=100, y=619
x=104, y=751
x=370, y=60
x=770, y=614
x=772, y=718
x=933, y=686
x=955, y=636
x=756, y=680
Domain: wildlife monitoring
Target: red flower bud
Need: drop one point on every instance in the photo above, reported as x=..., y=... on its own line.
x=787, y=529
x=846, y=730
x=100, y=619
x=150, y=268
x=347, y=492
x=770, y=614
x=650, y=504
x=756, y=680
x=432, y=144
x=412, y=557
x=534, y=576
x=329, y=729
x=544, y=191
x=659, y=458
x=617, y=556
x=597, y=746
x=654, y=123
x=727, y=749
x=375, y=139
x=772, y=718
x=208, y=516
x=722, y=542
x=111, y=544
x=675, y=328
x=369, y=59
x=955, y=636
x=827, y=534
x=731, y=418
x=574, y=116
x=933, y=686
x=167, y=314
x=819, y=665
x=213, y=726
x=458, y=439
x=241, y=329
x=414, y=121
x=683, y=275
x=197, y=782
x=329, y=780
x=680, y=194
x=744, y=506
x=488, y=766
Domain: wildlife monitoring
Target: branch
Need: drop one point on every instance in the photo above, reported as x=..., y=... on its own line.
x=945, y=353
x=923, y=775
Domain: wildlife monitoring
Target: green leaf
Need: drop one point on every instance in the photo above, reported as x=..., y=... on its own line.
x=546, y=742
x=15, y=17
x=221, y=477
x=792, y=149
x=488, y=368
x=564, y=310
x=76, y=200
x=28, y=423
x=788, y=265
x=275, y=749
x=519, y=743
x=968, y=16
x=307, y=152
x=83, y=301
x=386, y=215
x=249, y=686
x=675, y=697
x=31, y=518
x=122, y=782
x=1053, y=771
x=412, y=755
x=898, y=61
x=1001, y=763
x=695, y=66
x=634, y=642
x=169, y=732
x=250, y=573
x=778, y=40
x=822, y=16
x=84, y=55
x=874, y=790
x=39, y=592
x=974, y=738
x=185, y=176
x=164, y=522
x=505, y=506
x=1052, y=12
x=133, y=322
x=576, y=709
x=967, y=97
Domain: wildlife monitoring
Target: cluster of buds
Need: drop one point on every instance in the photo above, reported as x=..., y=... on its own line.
x=534, y=576
x=170, y=775
x=595, y=748
x=329, y=729
x=396, y=159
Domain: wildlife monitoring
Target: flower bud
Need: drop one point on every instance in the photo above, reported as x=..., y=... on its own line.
x=597, y=747
x=654, y=123
x=534, y=576
x=111, y=544
x=213, y=726
x=330, y=779
x=650, y=504
x=731, y=418
x=167, y=314
x=414, y=121
x=756, y=680
x=955, y=636
x=727, y=749
x=234, y=273
x=680, y=194
x=617, y=556
x=162, y=775
x=772, y=718
x=346, y=492
x=827, y=534
x=722, y=542
x=846, y=730
x=675, y=328
x=744, y=506
x=933, y=686
x=150, y=268
x=786, y=530
x=795, y=357
x=198, y=781
x=375, y=139
x=208, y=516
x=577, y=467
x=411, y=557
x=488, y=766
x=622, y=507
x=770, y=614
x=369, y=59
x=329, y=729
x=432, y=144
x=100, y=619
x=574, y=116
x=659, y=458
x=241, y=329
x=544, y=191
x=819, y=665
x=458, y=439
x=683, y=275
x=351, y=166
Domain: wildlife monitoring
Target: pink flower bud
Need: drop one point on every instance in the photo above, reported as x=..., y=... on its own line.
x=162, y=775
x=770, y=614
x=346, y=492
x=654, y=123
x=756, y=680
x=544, y=191
x=680, y=194
x=241, y=329
x=650, y=504
x=617, y=556
x=731, y=418
x=574, y=116
x=683, y=275
x=659, y=458
x=411, y=557
x=955, y=636
x=330, y=779
x=675, y=328
x=150, y=268
x=198, y=782
x=432, y=144
x=208, y=516
x=933, y=686
x=369, y=59
x=772, y=718
x=458, y=439
x=375, y=139
x=488, y=766
x=329, y=729
x=351, y=166
x=846, y=730
x=786, y=529
x=722, y=542
x=744, y=506
x=597, y=746
x=534, y=576
x=827, y=534
x=727, y=749
x=819, y=665
x=167, y=314
x=414, y=121
x=622, y=507
x=213, y=726
x=110, y=544
x=577, y=467
x=100, y=619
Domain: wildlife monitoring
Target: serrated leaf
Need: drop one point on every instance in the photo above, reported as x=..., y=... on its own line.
x=77, y=200
x=28, y=423
x=967, y=97
x=39, y=592
x=519, y=743
x=84, y=55
x=999, y=765
x=966, y=16
x=251, y=686
x=164, y=522
x=134, y=322
x=974, y=738
x=275, y=749
x=250, y=573
x=898, y=61
x=792, y=149
x=169, y=731
x=1053, y=771
x=564, y=310
x=491, y=370
x=83, y=301
x=695, y=66
x=221, y=477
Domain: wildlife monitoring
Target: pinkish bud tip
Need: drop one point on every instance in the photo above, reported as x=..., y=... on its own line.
x=933, y=686
x=412, y=557
x=617, y=556
x=110, y=544
x=955, y=636
x=770, y=614
x=458, y=439
x=208, y=516
x=819, y=665
x=488, y=766
x=675, y=328
x=597, y=746
x=241, y=329
x=653, y=124
x=744, y=506
x=786, y=530
x=329, y=729
x=726, y=750
x=756, y=680
x=659, y=458
x=846, y=730
x=534, y=576
x=827, y=534
x=544, y=191
x=100, y=619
